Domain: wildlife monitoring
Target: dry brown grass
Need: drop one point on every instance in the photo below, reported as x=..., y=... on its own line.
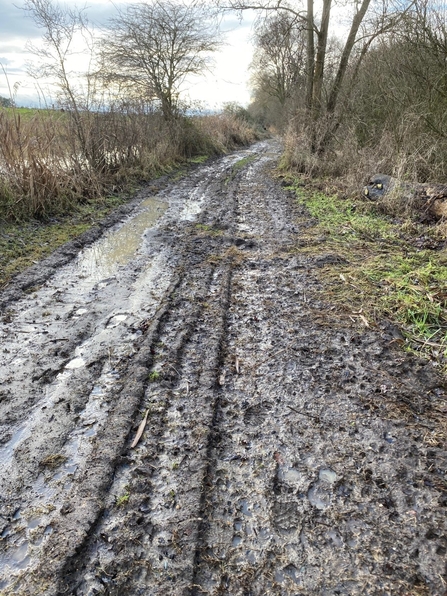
x=407, y=152
x=50, y=161
x=226, y=131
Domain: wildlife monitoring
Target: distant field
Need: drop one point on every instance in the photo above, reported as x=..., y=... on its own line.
x=30, y=112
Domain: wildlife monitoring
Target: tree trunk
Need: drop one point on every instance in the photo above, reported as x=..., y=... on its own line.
x=358, y=18
x=320, y=59
x=310, y=54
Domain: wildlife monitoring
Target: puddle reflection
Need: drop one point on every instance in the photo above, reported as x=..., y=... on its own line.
x=102, y=259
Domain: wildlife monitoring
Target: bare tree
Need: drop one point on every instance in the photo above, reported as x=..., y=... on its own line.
x=279, y=63
x=321, y=102
x=66, y=35
x=154, y=47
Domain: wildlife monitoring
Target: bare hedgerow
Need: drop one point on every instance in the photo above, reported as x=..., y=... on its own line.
x=43, y=171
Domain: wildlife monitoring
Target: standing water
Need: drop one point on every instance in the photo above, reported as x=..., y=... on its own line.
x=102, y=259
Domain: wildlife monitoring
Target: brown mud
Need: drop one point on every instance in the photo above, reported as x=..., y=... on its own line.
x=286, y=451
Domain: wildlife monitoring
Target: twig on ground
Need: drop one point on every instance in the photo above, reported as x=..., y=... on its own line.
x=140, y=430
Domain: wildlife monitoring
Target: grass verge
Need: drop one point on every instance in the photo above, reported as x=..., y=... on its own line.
x=389, y=272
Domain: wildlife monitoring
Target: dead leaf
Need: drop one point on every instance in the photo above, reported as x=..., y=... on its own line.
x=237, y=365
x=140, y=430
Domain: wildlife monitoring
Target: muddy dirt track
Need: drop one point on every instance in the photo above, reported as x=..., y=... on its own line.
x=272, y=460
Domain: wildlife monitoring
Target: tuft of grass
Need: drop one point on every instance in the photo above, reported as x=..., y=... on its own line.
x=198, y=159
x=210, y=230
x=384, y=275
x=122, y=500
x=154, y=376
x=238, y=166
x=414, y=293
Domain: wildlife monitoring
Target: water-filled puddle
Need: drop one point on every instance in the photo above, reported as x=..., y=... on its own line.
x=290, y=571
x=327, y=475
x=319, y=497
x=290, y=475
x=116, y=320
x=21, y=433
x=193, y=206
x=34, y=522
x=102, y=259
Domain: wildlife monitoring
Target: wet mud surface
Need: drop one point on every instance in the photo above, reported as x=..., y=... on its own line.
x=285, y=451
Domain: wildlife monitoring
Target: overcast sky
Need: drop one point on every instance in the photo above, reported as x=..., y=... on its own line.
x=227, y=82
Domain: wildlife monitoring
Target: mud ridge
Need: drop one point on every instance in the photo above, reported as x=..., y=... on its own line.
x=213, y=439
x=170, y=364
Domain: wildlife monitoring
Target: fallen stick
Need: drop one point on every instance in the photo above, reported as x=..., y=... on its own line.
x=140, y=430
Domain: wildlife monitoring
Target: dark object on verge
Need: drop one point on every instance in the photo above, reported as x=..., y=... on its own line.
x=428, y=200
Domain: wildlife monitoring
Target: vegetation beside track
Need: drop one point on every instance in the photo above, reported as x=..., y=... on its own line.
x=389, y=271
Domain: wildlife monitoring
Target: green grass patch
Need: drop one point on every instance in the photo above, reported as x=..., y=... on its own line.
x=209, y=230
x=198, y=159
x=122, y=500
x=154, y=376
x=413, y=291
x=31, y=112
x=344, y=221
x=387, y=275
